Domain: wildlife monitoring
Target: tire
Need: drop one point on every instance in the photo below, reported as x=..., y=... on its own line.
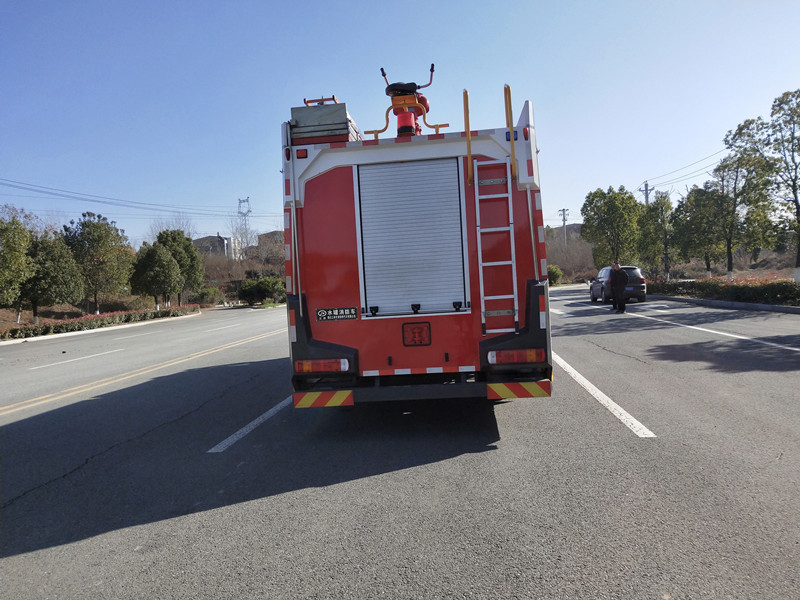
x=606, y=297
x=592, y=297
x=642, y=298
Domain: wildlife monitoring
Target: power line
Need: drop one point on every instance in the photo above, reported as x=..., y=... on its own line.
x=687, y=166
x=685, y=176
x=176, y=209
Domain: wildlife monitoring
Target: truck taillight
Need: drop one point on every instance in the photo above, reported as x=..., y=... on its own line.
x=322, y=365
x=508, y=357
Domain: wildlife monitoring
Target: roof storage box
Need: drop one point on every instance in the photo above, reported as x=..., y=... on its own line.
x=323, y=123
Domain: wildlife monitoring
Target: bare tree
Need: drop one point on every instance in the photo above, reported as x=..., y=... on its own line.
x=180, y=221
x=248, y=238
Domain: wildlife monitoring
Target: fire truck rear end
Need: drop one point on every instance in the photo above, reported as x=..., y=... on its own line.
x=415, y=264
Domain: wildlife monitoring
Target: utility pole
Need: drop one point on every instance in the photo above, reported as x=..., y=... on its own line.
x=564, y=212
x=647, y=189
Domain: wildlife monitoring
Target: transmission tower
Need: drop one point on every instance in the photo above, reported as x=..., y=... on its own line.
x=244, y=213
x=564, y=212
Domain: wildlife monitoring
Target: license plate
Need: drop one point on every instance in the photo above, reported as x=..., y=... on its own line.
x=628, y=289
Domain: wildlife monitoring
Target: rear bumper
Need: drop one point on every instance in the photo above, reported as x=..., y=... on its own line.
x=434, y=391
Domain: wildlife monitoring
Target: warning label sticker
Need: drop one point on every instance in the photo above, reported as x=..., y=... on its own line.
x=337, y=314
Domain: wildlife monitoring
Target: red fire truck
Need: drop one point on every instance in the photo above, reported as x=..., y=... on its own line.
x=415, y=264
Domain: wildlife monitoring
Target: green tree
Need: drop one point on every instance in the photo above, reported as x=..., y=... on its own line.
x=56, y=278
x=15, y=264
x=610, y=222
x=656, y=235
x=696, y=227
x=741, y=179
x=777, y=143
x=188, y=258
x=156, y=273
x=103, y=255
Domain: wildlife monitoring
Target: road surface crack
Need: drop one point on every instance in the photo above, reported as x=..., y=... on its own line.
x=610, y=351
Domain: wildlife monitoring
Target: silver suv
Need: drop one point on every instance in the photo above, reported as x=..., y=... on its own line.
x=600, y=286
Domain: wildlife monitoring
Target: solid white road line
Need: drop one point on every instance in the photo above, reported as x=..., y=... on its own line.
x=63, y=362
x=221, y=328
x=615, y=409
x=228, y=442
x=127, y=337
x=722, y=333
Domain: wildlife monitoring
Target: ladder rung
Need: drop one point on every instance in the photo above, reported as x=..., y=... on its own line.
x=493, y=229
x=491, y=162
x=511, y=330
x=497, y=263
x=505, y=297
x=491, y=196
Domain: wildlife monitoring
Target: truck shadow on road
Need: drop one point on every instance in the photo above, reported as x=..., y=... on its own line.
x=139, y=455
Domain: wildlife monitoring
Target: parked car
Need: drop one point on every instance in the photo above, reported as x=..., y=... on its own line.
x=600, y=286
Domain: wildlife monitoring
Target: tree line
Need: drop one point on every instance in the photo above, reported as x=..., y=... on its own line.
x=751, y=202
x=90, y=259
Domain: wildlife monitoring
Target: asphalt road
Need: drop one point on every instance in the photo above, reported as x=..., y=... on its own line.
x=162, y=461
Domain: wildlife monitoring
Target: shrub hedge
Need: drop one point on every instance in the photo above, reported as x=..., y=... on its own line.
x=257, y=291
x=95, y=321
x=757, y=291
x=554, y=274
x=209, y=295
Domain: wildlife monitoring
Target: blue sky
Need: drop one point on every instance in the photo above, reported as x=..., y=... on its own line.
x=160, y=107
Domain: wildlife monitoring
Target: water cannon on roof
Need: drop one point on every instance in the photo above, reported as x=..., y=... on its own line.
x=408, y=105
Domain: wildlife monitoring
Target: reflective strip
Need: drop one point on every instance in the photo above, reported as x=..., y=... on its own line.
x=292, y=333
x=542, y=312
x=419, y=371
x=530, y=389
x=289, y=289
x=323, y=399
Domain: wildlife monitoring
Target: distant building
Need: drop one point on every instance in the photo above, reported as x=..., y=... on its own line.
x=219, y=246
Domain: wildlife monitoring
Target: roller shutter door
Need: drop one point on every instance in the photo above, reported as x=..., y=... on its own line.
x=412, y=239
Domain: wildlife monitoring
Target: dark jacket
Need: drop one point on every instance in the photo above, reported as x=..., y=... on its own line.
x=619, y=279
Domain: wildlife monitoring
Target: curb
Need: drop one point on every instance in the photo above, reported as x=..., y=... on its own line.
x=52, y=336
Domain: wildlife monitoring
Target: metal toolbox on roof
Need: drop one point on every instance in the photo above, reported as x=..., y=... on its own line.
x=322, y=121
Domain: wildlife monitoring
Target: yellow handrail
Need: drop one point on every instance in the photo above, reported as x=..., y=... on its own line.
x=469, y=137
x=510, y=124
x=375, y=132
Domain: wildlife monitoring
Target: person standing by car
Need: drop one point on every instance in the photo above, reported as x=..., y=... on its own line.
x=619, y=279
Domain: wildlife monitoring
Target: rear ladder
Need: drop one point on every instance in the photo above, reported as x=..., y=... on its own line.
x=497, y=261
